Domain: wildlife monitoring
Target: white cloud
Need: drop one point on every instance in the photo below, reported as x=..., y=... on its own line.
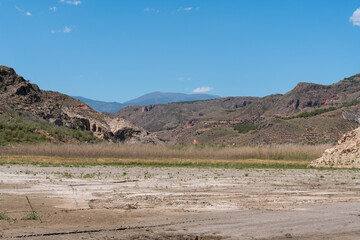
x=54, y=9
x=183, y=79
x=71, y=2
x=202, y=89
x=188, y=9
x=65, y=30
x=355, y=18
x=152, y=10
x=23, y=11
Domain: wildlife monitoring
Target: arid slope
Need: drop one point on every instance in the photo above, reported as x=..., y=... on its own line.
x=19, y=97
x=271, y=119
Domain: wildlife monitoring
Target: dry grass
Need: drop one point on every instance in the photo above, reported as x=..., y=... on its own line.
x=161, y=152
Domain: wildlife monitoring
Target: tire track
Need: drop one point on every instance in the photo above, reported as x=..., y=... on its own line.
x=109, y=229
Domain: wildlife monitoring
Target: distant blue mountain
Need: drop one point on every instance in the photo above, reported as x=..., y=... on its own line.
x=167, y=97
x=100, y=106
x=150, y=98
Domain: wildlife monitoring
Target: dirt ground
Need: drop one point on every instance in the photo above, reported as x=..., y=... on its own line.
x=178, y=203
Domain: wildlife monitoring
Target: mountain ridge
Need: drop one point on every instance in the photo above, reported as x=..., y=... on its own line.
x=156, y=97
x=297, y=116
x=101, y=106
x=308, y=114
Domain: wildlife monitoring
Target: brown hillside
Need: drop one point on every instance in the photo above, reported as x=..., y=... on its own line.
x=19, y=95
x=171, y=115
x=276, y=117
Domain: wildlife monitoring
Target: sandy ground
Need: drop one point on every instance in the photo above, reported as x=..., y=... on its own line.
x=178, y=203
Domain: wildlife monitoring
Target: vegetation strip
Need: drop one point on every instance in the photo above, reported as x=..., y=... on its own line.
x=123, y=151
x=320, y=111
x=46, y=161
x=18, y=127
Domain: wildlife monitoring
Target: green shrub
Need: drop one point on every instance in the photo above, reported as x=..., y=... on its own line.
x=19, y=128
x=3, y=216
x=322, y=110
x=311, y=114
x=31, y=216
x=352, y=103
x=245, y=127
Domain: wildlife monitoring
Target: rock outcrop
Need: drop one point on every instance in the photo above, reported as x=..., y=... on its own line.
x=346, y=154
x=352, y=115
x=18, y=94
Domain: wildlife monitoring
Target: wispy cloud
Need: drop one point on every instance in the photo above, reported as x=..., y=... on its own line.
x=67, y=29
x=187, y=9
x=19, y=9
x=71, y=2
x=54, y=9
x=183, y=79
x=202, y=89
x=153, y=10
x=23, y=11
x=355, y=18
x=64, y=30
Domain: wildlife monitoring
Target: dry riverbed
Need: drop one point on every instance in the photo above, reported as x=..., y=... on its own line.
x=178, y=203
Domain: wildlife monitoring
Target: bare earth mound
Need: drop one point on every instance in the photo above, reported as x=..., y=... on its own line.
x=346, y=154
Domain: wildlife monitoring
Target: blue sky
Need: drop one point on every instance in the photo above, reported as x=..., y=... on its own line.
x=119, y=50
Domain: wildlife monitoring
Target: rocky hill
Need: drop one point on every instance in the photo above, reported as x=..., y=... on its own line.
x=172, y=115
x=310, y=113
x=21, y=98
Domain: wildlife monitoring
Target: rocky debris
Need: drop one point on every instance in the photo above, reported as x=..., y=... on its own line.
x=18, y=94
x=346, y=154
x=126, y=132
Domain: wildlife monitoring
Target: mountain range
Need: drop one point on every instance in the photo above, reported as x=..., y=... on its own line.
x=150, y=98
x=308, y=114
